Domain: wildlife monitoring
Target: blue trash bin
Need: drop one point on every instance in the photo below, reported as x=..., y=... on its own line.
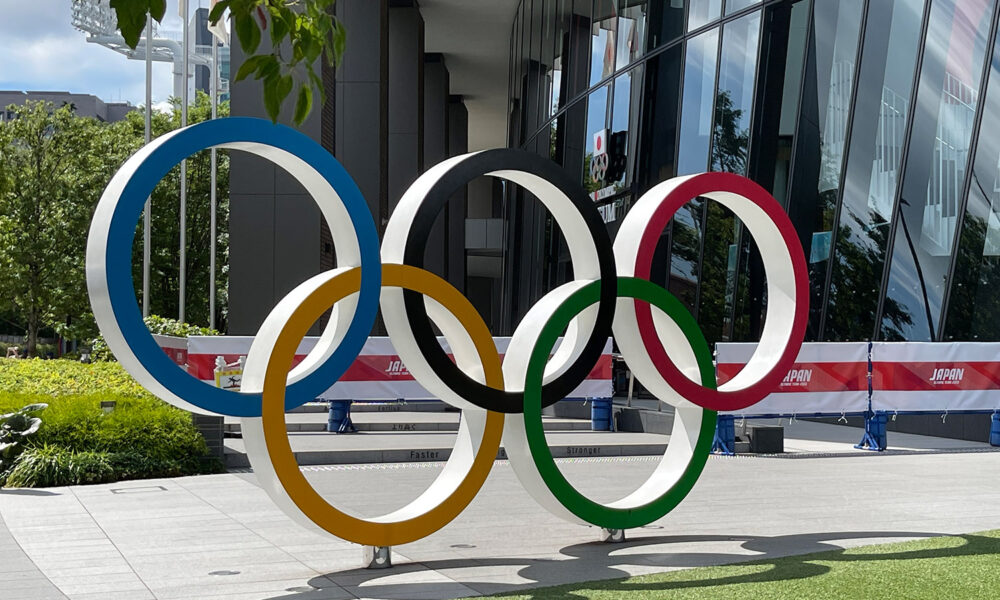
x=600, y=414
x=995, y=430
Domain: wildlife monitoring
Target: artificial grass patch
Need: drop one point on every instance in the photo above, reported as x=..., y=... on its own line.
x=959, y=567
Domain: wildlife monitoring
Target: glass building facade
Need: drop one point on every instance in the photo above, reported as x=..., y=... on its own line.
x=868, y=120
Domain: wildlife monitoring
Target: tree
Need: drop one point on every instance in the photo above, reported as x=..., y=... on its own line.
x=50, y=164
x=306, y=28
x=164, y=264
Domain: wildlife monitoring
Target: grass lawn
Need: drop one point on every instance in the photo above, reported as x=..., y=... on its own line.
x=961, y=567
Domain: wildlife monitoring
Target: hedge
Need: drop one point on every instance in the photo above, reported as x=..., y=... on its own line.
x=78, y=442
x=55, y=378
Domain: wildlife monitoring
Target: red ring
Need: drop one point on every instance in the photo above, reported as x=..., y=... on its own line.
x=693, y=187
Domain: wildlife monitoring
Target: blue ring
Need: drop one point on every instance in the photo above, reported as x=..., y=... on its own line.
x=121, y=236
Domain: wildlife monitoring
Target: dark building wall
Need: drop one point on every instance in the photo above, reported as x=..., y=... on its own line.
x=384, y=111
x=274, y=226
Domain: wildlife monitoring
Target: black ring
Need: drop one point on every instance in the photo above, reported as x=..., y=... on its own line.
x=436, y=199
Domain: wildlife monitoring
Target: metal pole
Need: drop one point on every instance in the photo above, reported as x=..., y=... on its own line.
x=215, y=175
x=147, y=216
x=184, y=117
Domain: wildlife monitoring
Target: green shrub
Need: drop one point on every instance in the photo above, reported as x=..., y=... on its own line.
x=156, y=325
x=79, y=443
x=50, y=466
x=55, y=378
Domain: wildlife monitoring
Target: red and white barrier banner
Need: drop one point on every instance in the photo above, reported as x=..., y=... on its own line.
x=175, y=347
x=377, y=373
x=826, y=378
x=935, y=377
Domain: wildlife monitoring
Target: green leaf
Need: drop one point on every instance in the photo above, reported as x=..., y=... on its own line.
x=272, y=103
x=303, y=105
x=157, y=8
x=252, y=65
x=131, y=19
x=285, y=87
x=217, y=11
x=247, y=31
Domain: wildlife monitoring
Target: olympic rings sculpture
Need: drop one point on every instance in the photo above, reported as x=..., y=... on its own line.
x=500, y=402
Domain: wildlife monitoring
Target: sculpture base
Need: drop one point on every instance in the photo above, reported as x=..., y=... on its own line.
x=377, y=557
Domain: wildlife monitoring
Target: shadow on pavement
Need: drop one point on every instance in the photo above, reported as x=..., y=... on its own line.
x=26, y=492
x=598, y=562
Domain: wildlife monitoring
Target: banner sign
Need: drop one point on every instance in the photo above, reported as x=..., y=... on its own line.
x=935, y=377
x=174, y=347
x=376, y=374
x=826, y=378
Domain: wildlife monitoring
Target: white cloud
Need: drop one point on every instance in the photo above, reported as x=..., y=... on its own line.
x=42, y=51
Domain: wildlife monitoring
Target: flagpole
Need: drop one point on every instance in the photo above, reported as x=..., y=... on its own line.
x=184, y=117
x=147, y=217
x=215, y=175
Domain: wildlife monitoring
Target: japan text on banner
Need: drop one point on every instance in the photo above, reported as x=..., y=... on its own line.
x=827, y=378
x=936, y=377
x=376, y=374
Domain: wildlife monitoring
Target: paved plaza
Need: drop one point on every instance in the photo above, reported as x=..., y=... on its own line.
x=220, y=537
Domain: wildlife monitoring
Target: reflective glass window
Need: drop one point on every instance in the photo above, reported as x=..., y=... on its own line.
x=699, y=96
x=936, y=168
x=685, y=254
x=734, y=100
x=597, y=122
x=822, y=135
x=604, y=35
x=665, y=21
x=548, y=68
x=626, y=94
x=702, y=12
x=885, y=85
x=562, y=23
x=738, y=5
x=631, y=31
x=730, y=148
x=660, y=111
x=527, y=103
x=974, y=301
x=536, y=69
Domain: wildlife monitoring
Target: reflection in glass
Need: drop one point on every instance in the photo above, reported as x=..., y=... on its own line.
x=660, y=111
x=974, y=302
x=885, y=85
x=826, y=106
x=604, y=33
x=696, y=111
x=730, y=146
x=631, y=31
x=624, y=120
x=703, y=12
x=738, y=5
x=734, y=101
x=936, y=167
x=685, y=254
x=666, y=22
x=597, y=114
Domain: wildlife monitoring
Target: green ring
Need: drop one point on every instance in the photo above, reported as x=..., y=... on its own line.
x=578, y=504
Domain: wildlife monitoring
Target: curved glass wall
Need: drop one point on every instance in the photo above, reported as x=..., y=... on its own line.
x=862, y=117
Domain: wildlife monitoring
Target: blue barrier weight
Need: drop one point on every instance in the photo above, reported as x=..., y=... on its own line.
x=995, y=430
x=725, y=435
x=600, y=414
x=339, y=420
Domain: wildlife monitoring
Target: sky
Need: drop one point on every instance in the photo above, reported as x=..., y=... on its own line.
x=41, y=51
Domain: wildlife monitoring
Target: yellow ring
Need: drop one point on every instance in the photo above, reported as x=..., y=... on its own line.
x=301, y=493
